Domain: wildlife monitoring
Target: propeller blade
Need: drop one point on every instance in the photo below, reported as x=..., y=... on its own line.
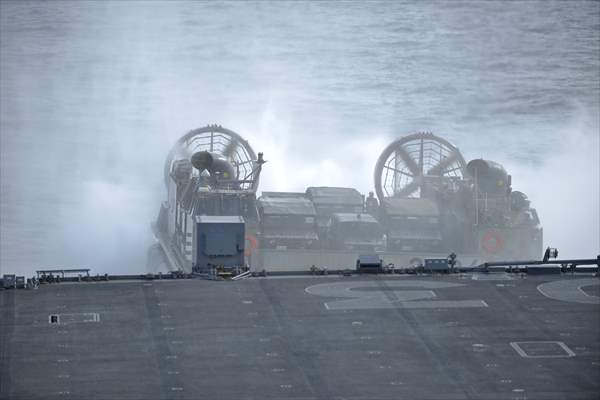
x=443, y=164
x=409, y=189
x=409, y=161
x=230, y=149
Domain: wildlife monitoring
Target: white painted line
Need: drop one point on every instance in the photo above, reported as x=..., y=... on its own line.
x=518, y=349
x=567, y=349
x=570, y=290
x=172, y=372
x=582, y=291
x=177, y=389
x=523, y=353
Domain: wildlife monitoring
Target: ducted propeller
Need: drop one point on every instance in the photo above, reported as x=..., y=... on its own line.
x=215, y=164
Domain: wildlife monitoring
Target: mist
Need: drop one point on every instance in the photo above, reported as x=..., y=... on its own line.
x=94, y=94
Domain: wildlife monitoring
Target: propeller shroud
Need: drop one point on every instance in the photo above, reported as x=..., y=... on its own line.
x=407, y=163
x=218, y=141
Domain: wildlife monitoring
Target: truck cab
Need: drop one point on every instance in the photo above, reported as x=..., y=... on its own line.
x=412, y=224
x=355, y=231
x=287, y=221
x=330, y=200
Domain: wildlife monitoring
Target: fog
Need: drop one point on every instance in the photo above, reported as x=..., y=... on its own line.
x=93, y=94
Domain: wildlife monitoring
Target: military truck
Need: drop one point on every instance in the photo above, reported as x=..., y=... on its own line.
x=355, y=231
x=411, y=224
x=330, y=200
x=287, y=221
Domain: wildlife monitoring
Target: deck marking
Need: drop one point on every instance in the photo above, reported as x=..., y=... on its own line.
x=409, y=294
x=74, y=318
x=523, y=353
x=491, y=276
x=570, y=290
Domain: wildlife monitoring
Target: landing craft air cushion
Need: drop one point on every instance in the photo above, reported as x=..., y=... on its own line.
x=430, y=202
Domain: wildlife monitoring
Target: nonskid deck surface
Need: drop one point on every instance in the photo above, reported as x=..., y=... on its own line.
x=490, y=336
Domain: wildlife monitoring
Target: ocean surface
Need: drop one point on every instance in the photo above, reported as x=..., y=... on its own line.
x=93, y=94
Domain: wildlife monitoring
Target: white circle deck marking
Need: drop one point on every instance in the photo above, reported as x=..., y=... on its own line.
x=406, y=294
x=570, y=290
